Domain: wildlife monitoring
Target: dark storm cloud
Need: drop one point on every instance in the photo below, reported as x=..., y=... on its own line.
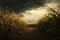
x=56, y=1
x=19, y=5
x=23, y=5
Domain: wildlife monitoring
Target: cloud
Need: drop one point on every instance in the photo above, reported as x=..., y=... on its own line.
x=21, y=5
x=33, y=15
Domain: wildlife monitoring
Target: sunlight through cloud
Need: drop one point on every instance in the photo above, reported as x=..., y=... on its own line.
x=33, y=15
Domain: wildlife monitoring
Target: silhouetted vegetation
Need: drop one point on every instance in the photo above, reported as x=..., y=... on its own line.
x=12, y=28
x=9, y=25
x=49, y=24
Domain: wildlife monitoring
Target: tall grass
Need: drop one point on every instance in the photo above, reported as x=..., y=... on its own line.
x=12, y=27
x=50, y=24
x=10, y=24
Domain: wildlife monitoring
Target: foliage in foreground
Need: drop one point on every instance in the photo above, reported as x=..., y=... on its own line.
x=50, y=24
x=10, y=24
x=12, y=28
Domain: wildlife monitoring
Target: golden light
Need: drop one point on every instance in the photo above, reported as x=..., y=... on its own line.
x=32, y=16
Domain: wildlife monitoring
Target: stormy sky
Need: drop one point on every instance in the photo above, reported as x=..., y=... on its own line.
x=33, y=15
x=19, y=5
x=22, y=5
x=31, y=10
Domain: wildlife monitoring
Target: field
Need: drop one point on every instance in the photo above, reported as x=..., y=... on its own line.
x=17, y=19
x=12, y=27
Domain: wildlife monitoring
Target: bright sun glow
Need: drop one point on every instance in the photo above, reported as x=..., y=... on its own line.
x=32, y=16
